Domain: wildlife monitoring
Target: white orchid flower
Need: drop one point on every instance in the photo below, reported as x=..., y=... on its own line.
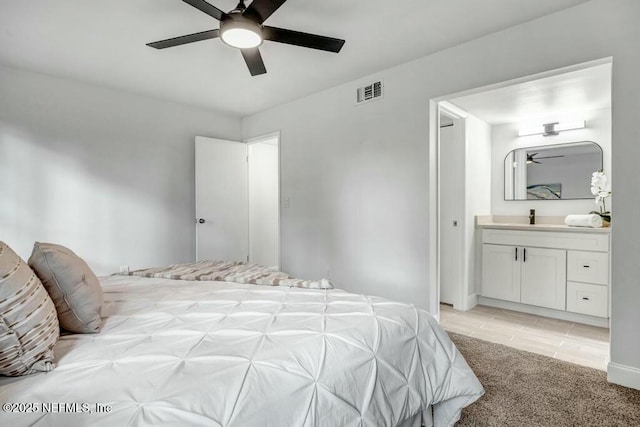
x=600, y=188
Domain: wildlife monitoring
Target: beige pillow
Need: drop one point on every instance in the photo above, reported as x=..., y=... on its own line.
x=74, y=289
x=28, y=322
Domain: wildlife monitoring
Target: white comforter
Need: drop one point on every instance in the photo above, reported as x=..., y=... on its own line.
x=221, y=354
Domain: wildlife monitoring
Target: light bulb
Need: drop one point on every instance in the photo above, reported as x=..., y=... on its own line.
x=241, y=38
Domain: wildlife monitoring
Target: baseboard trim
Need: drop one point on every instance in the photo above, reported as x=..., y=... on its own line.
x=546, y=312
x=623, y=375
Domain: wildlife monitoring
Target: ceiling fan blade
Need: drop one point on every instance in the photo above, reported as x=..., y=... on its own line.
x=205, y=7
x=548, y=157
x=260, y=10
x=189, y=38
x=297, y=38
x=254, y=61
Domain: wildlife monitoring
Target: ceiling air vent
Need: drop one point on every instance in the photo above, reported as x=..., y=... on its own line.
x=369, y=92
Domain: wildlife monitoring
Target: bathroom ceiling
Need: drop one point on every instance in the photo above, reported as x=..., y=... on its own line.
x=572, y=92
x=103, y=42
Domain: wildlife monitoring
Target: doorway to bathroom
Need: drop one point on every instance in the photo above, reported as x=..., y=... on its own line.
x=471, y=186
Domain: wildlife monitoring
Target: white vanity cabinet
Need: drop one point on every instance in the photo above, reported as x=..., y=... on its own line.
x=528, y=275
x=544, y=277
x=588, y=283
x=501, y=272
x=565, y=271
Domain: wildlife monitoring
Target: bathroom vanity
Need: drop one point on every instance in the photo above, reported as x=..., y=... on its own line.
x=547, y=268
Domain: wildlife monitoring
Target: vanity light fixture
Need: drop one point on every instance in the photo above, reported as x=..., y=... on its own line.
x=550, y=129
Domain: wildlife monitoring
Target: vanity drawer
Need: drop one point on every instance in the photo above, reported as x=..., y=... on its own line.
x=587, y=299
x=589, y=267
x=574, y=240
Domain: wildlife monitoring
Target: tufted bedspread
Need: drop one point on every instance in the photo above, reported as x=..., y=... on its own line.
x=220, y=354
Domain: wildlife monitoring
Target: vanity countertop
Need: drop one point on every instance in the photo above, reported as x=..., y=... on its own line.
x=543, y=223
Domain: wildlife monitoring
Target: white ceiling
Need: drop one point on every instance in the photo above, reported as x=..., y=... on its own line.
x=103, y=42
x=583, y=90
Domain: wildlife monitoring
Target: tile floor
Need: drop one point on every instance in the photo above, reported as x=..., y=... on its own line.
x=572, y=342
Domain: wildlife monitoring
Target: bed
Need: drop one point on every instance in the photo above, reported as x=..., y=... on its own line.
x=180, y=352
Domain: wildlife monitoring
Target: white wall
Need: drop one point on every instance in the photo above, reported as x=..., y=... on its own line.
x=264, y=203
x=107, y=173
x=358, y=175
x=505, y=138
x=478, y=149
x=356, y=183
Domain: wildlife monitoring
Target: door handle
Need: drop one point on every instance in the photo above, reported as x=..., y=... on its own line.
x=516, y=254
x=201, y=221
x=524, y=256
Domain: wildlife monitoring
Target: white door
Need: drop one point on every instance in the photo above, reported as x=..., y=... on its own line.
x=451, y=186
x=544, y=277
x=501, y=267
x=264, y=202
x=221, y=200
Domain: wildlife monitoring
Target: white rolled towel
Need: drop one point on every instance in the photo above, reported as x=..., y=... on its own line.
x=591, y=220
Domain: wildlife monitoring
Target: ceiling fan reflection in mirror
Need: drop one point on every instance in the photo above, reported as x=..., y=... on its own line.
x=531, y=158
x=243, y=28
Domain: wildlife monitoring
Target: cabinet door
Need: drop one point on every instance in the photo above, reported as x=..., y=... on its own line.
x=544, y=278
x=501, y=272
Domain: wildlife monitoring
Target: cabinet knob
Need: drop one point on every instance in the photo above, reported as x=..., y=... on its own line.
x=201, y=221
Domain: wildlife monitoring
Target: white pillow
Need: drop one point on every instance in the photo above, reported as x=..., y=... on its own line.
x=74, y=289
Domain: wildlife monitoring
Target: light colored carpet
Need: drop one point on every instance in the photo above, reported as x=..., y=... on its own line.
x=527, y=389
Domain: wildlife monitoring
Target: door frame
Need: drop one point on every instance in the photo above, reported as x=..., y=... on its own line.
x=434, y=164
x=257, y=140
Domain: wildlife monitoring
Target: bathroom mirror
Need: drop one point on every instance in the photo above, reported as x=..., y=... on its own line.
x=551, y=172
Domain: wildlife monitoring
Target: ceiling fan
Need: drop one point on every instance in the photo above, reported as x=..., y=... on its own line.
x=243, y=29
x=531, y=158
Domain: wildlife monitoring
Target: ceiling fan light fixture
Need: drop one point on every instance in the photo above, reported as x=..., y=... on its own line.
x=242, y=28
x=241, y=34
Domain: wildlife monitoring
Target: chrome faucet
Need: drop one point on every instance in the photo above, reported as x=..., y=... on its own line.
x=532, y=216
